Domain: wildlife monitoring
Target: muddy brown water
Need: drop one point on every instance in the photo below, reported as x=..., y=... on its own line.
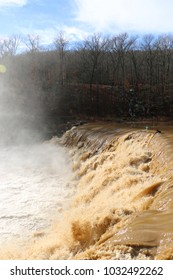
x=122, y=202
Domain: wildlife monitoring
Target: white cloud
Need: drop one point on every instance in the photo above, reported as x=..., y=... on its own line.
x=126, y=15
x=74, y=33
x=6, y=3
x=48, y=35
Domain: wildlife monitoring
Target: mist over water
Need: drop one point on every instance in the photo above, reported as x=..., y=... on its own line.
x=21, y=117
x=33, y=173
x=32, y=188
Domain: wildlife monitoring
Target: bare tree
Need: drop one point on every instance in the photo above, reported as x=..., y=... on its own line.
x=149, y=54
x=120, y=46
x=93, y=50
x=32, y=43
x=9, y=46
x=164, y=47
x=61, y=44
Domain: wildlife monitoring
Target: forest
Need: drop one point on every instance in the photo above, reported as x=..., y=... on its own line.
x=124, y=76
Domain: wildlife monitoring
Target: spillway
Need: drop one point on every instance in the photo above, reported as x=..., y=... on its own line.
x=121, y=201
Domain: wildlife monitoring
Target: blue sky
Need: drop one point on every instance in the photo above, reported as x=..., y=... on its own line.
x=80, y=18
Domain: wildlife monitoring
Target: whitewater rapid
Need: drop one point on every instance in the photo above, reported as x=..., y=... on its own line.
x=118, y=206
x=33, y=188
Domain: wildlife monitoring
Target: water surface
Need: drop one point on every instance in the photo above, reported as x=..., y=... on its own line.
x=33, y=189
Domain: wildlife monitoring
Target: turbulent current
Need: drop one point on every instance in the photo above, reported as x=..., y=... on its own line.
x=118, y=203
x=33, y=184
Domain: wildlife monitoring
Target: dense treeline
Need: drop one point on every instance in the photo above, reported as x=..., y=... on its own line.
x=121, y=76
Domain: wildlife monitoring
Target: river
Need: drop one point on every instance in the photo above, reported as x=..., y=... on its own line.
x=104, y=191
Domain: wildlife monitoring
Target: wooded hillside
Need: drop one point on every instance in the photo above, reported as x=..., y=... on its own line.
x=121, y=76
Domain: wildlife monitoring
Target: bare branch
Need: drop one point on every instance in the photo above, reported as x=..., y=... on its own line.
x=32, y=43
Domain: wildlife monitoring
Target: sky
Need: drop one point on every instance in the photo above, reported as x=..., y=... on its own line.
x=81, y=18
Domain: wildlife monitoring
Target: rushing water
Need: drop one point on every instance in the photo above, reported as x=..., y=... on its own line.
x=122, y=207
x=127, y=179
x=32, y=188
